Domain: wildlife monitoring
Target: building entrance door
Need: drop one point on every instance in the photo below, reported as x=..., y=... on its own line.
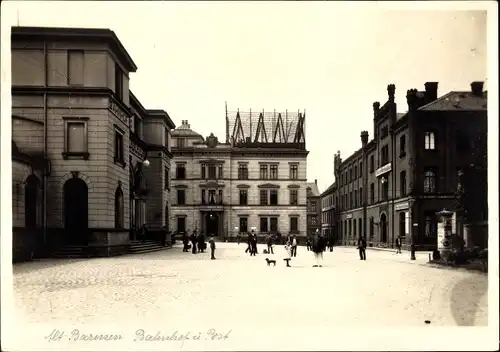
x=212, y=224
x=383, y=227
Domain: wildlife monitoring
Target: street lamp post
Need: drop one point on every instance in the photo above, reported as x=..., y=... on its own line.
x=412, y=234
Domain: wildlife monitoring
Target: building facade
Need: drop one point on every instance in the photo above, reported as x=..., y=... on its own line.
x=313, y=208
x=255, y=180
x=328, y=206
x=85, y=152
x=397, y=182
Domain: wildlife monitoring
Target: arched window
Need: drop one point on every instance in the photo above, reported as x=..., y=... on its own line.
x=119, y=211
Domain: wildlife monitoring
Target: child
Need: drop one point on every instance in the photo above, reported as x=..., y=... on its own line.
x=212, y=247
x=288, y=257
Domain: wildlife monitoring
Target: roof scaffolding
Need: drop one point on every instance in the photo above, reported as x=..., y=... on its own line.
x=251, y=127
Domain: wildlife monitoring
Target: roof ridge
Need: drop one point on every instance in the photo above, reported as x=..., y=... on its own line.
x=438, y=99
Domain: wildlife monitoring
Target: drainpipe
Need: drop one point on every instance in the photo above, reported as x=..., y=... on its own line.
x=45, y=123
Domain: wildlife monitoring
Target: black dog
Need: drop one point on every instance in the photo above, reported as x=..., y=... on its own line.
x=269, y=261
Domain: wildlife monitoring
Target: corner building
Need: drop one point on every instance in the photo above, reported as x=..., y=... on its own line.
x=88, y=158
x=256, y=179
x=397, y=182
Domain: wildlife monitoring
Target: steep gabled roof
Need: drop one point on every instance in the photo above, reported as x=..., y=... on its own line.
x=314, y=191
x=329, y=190
x=458, y=101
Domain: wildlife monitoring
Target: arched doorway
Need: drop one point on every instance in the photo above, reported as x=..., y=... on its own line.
x=31, y=202
x=212, y=221
x=76, y=211
x=383, y=227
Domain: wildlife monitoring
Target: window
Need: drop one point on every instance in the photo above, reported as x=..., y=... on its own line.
x=402, y=146
x=273, y=197
x=460, y=175
x=294, y=224
x=372, y=232
x=402, y=183
x=243, y=197
x=354, y=227
x=180, y=171
x=76, y=138
x=263, y=225
x=294, y=197
x=119, y=209
x=372, y=193
x=372, y=163
x=345, y=228
x=294, y=172
x=166, y=176
x=355, y=172
x=166, y=139
x=313, y=220
x=242, y=172
x=360, y=170
x=181, y=197
x=430, y=141
x=350, y=227
x=402, y=223
x=384, y=155
x=243, y=224
x=118, y=82
x=273, y=172
x=430, y=180
x=181, y=142
x=384, y=186
x=463, y=142
x=221, y=197
x=384, y=132
x=181, y=225
x=273, y=224
x=203, y=196
x=221, y=171
x=351, y=203
x=361, y=202
x=137, y=126
x=76, y=67
x=360, y=227
x=430, y=224
x=203, y=171
x=355, y=198
x=211, y=196
x=119, y=157
x=350, y=175
x=263, y=172
x=211, y=171
x=313, y=206
x=263, y=197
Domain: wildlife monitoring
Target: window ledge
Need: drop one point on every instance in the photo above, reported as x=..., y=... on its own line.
x=120, y=162
x=75, y=155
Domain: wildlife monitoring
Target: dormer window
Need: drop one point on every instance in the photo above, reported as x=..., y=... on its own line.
x=118, y=82
x=181, y=142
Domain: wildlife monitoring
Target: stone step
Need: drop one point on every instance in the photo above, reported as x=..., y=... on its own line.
x=148, y=250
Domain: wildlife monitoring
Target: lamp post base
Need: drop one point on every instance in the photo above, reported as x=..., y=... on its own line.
x=412, y=252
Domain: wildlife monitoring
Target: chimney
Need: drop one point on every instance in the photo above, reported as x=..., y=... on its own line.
x=316, y=182
x=364, y=138
x=477, y=88
x=431, y=91
x=411, y=99
x=391, y=90
x=376, y=108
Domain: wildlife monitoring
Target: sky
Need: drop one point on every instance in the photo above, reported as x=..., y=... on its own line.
x=333, y=59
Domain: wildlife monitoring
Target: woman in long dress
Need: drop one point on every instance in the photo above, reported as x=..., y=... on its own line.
x=288, y=256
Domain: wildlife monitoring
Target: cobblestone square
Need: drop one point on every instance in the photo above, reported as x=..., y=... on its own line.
x=386, y=290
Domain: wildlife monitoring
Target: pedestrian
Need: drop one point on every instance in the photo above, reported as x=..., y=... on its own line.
x=201, y=242
x=212, y=247
x=288, y=254
x=194, y=240
x=362, y=248
x=330, y=242
x=398, y=244
x=308, y=243
x=143, y=233
x=270, y=241
x=238, y=237
x=249, y=244
x=294, y=246
x=185, y=242
x=253, y=244
x=318, y=247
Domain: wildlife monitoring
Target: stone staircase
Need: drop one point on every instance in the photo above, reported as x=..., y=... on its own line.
x=71, y=252
x=137, y=247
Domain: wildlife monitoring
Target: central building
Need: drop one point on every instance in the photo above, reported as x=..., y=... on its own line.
x=256, y=179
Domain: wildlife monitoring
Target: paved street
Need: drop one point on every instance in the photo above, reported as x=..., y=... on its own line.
x=387, y=289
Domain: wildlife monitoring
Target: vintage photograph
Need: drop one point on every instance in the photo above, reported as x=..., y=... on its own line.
x=240, y=175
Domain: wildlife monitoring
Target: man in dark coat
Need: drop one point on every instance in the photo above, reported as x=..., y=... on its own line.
x=399, y=243
x=318, y=247
x=269, y=241
x=201, y=242
x=185, y=242
x=212, y=247
x=362, y=248
x=249, y=244
x=253, y=244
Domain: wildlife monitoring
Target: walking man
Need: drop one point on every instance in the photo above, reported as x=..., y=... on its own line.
x=185, y=242
x=194, y=240
x=318, y=247
x=249, y=244
x=269, y=241
x=212, y=247
x=398, y=244
x=294, y=246
x=253, y=244
x=362, y=248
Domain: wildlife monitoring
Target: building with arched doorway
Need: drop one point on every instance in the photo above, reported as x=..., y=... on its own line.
x=90, y=163
x=256, y=179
